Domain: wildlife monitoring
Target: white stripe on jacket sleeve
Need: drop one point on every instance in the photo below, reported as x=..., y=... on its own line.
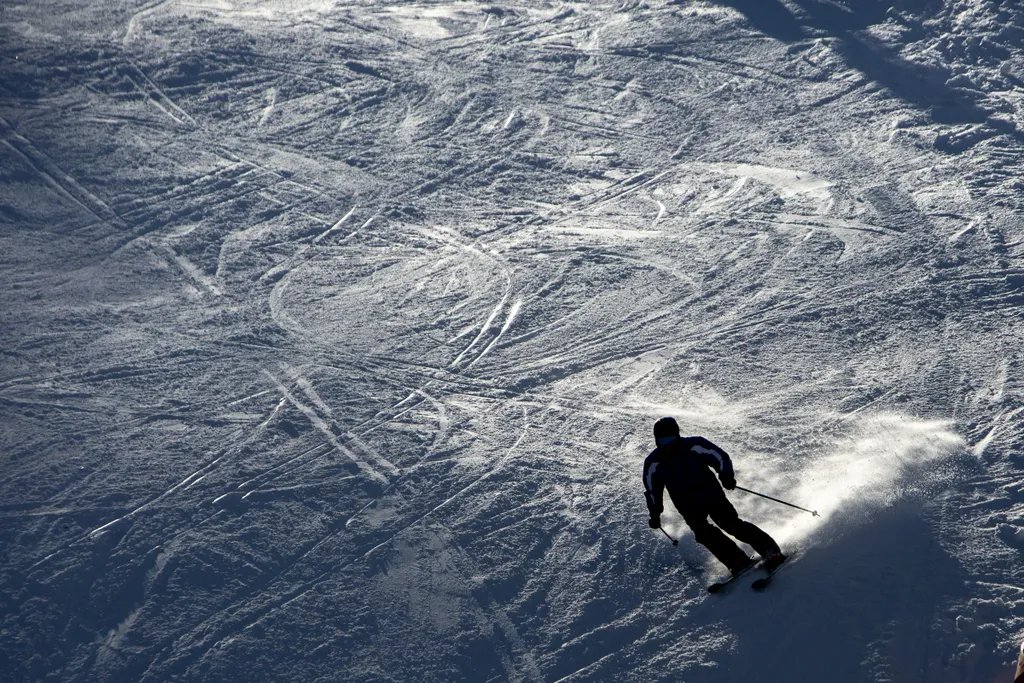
x=649, y=481
x=718, y=457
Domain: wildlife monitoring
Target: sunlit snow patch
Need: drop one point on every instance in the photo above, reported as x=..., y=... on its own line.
x=622, y=233
x=437, y=22
x=786, y=182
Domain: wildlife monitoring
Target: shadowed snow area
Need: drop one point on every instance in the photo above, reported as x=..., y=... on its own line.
x=334, y=333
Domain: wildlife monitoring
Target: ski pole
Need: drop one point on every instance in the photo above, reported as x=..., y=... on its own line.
x=674, y=541
x=813, y=512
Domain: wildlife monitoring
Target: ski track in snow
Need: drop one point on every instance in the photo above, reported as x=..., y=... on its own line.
x=330, y=327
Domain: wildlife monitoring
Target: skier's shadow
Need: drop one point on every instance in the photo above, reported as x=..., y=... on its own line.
x=916, y=84
x=878, y=590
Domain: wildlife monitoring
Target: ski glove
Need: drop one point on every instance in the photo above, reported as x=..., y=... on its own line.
x=654, y=522
x=729, y=481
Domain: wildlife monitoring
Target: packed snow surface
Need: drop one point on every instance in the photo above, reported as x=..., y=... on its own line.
x=333, y=334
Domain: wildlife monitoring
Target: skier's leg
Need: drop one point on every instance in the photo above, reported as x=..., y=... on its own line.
x=720, y=545
x=726, y=517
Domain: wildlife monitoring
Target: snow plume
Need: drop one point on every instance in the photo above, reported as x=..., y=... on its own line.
x=867, y=467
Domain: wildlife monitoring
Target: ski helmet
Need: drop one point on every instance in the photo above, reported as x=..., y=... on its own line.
x=665, y=427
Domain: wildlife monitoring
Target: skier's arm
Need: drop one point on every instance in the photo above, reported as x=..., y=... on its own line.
x=716, y=459
x=654, y=488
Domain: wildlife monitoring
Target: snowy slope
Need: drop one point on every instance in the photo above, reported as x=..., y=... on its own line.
x=334, y=333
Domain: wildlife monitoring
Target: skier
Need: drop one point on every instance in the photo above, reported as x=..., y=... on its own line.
x=681, y=464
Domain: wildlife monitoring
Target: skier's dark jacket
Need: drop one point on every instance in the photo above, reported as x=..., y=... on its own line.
x=682, y=467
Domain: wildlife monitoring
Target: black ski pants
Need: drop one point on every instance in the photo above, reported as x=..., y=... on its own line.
x=728, y=520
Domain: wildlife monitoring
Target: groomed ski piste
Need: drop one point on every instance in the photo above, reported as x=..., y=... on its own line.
x=333, y=334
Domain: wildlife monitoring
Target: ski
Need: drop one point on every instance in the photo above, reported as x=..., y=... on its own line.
x=763, y=582
x=721, y=585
